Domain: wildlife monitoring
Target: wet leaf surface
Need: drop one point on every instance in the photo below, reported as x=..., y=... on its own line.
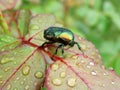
x=80, y=73
x=23, y=66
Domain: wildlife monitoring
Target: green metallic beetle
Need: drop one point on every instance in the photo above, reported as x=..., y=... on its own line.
x=59, y=35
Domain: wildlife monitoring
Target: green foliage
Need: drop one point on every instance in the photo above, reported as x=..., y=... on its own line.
x=7, y=42
x=23, y=22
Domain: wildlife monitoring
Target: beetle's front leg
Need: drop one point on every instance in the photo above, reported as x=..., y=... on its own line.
x=78, y=45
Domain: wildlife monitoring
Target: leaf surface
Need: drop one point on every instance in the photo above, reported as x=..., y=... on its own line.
x=22, y=68
x=80, y=73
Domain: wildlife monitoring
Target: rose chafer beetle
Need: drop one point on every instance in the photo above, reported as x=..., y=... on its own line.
x=59, y=35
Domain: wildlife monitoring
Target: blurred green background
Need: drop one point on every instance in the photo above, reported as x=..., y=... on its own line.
x=96, y=20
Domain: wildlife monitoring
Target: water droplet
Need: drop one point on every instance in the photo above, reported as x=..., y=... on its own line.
x=24, y=79
x=102, y=85
x=8, y=87
x=88, y=66
x=71, y=82
x=55, y=67
x=1, y=81
x=17, y=78
x=1, y=76
x=6, y=69
x=6, y=60
x=15, y=53
x=74, y=57
x=2, y=49
x=14, y=62
x=91, y=64
x=26, y=70
x=93, y=53
x=62, y=74
x=57, y=81
x=82, y=61
x=15, y=88
x=11, y=47
x=38, y=75
x=110, y=68
x=34, y=27
x=94, y=73
x=20, y=51
x=112, y=82
x=105, y=73
x=21, y=82
x=27, y=87
x=84, y=47
x=35, y=83
x=80, y=38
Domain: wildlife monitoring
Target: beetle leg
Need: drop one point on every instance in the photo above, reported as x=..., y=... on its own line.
x=61, y=45
x=78, y=45
x=62, y=49
x=46, y=43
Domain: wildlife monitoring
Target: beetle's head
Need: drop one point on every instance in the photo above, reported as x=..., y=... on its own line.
x=48, y=34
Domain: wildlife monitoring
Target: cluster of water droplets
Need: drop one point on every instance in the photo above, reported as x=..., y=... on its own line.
x=9, y=64
x=84, y=67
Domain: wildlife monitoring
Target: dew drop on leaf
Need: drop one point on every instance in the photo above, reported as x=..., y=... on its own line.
x=55, y=67
x=34, y=27
x=1, y=81
x=112, y=82
x=21, y=82
x=35, y=83
x=1, y=76
x=71, y=82
x=2, y=49
x=26, y=70
x=6, y=69
x=11, y=47
x=110, y=68
x=57, y=81
x=105, y=73
x=84, y=47
x=27, y=87
x=6, y=60
x=15, y=53
x=91, y=63
x=102, y=85
x=88, y=66
x=9, y=87
x=15, y=89
x=94, y=73
x=38, y=74
x=20, y=51
x=14, y=62
x=62, y=74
